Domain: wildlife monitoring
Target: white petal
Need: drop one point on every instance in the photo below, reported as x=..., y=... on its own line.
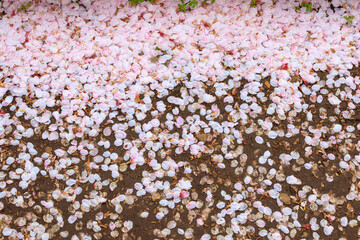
x=7, y=231
x=272, y=134
x=328, y=230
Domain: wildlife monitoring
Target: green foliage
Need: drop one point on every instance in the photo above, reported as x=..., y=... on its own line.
x=136, y=2
x=349, y=19
x=24, y=7
x=155, y=59
x=254, y=3
x=306, y=4
x=184, y=6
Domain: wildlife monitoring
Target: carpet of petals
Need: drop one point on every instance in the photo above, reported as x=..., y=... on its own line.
x=144, y=122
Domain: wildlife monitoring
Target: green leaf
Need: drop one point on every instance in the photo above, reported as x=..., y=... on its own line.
x=212, y=1
x=154, y=59
x=157, y=48
x=133, y=2
x=28, y=4
x=349, y=19
x=23, y=7
x=22, y=26
x=253, y=3
x=182, y=7
x=309, y=7
x=192, y=4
